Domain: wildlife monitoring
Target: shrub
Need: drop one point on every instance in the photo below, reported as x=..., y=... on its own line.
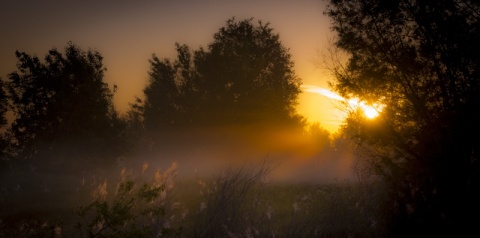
x=137, y=208
x=232, y=204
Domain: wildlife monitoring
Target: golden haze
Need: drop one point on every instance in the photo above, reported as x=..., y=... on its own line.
x=330, y=109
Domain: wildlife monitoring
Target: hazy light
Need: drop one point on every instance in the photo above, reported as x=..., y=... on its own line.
x=322, y=91
x=370, y=111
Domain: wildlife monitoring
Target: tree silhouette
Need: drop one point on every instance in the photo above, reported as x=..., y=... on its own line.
x=61, y=103
x=163, y=107
x=3, y=119
x=245, y=76
x=3, y=104
x=421, y=60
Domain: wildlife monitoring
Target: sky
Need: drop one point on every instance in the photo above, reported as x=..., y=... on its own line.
x=127, y=33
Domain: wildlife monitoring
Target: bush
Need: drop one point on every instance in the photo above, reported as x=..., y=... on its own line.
x=232, y=204
x=137, y=208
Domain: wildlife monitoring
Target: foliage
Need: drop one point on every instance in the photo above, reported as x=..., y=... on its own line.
x=232, y=205
x=319, y=136
x=62, y=102
x=116, y=218
x=3, y=104
x=135, y=128
x=3, y=119
x=238, y=202
x=136, y=209
x=31, y=229
x=245, y=76
x=420, y=60
x=241, y=203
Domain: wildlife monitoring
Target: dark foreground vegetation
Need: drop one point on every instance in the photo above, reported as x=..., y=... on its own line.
x=239, y=201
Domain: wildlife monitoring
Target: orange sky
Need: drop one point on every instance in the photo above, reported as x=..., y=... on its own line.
x=126, y=33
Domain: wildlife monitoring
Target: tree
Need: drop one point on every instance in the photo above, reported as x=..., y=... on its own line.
x=420, y=60
x=61, y=103
x=3, y=104
x=163, y=107
x=245, y=76
x=3, y=119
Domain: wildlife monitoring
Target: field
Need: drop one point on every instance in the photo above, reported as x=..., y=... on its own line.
x=140, y=201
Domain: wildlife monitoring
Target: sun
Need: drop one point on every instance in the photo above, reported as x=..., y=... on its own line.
x=369, y=111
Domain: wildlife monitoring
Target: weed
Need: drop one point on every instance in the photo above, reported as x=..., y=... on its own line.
x=137, y=208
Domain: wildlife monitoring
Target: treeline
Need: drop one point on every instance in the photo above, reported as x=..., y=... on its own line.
x=62, y=106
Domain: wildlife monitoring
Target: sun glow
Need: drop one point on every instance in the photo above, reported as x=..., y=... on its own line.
x=370, y=111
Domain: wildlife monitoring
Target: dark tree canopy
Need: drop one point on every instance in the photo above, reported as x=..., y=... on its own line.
x=245, y=76
x=421, y=60
x=61, y=101
x=3, y=119
x=3, y=104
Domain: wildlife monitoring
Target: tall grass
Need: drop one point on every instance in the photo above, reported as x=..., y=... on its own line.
x=232, y=204
x=239, y=201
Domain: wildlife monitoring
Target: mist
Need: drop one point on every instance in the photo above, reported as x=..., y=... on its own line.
x=297, y=156
x=48, y=190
